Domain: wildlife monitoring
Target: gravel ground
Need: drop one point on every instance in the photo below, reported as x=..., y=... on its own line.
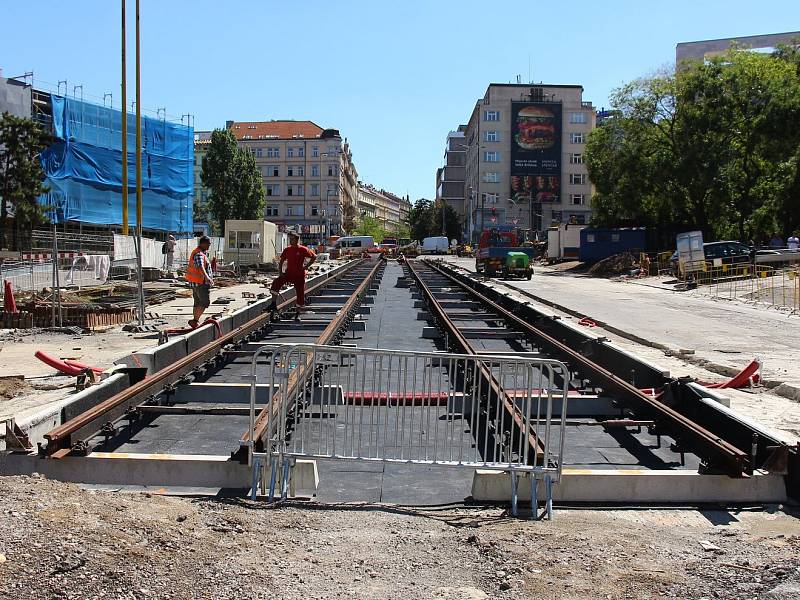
x=58, y=541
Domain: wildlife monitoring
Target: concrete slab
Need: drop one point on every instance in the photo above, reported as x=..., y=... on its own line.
x=632, y=486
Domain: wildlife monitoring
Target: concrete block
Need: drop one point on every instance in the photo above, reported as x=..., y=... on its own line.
x=199, y=338
x=158, y=357
x=39, y=423
x=636, y=485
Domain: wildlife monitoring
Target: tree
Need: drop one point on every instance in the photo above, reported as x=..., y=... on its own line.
x=370, y=226
x=21, y=175
x=236, y=190
x=425, y=220
x=714, y=147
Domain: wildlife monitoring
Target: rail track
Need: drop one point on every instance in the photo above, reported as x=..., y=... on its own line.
x=622, y=398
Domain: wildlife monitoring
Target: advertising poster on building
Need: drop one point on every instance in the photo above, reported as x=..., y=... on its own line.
x=535, y=151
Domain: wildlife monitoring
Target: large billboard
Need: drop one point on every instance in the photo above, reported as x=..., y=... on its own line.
x=535, y=151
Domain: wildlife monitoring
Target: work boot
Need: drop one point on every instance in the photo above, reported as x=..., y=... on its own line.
x=193, y=323
x=272, y=306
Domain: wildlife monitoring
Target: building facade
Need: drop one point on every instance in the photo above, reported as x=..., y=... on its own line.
x=525, y=147
x=450, y=178
x=686, y=52
x=389, y=209
x=309, y=177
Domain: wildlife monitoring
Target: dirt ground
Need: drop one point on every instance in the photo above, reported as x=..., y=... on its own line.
x=58, y=541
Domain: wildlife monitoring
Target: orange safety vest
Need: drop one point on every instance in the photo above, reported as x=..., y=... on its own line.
x=194, y=274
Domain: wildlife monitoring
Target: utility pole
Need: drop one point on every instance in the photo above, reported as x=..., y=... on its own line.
x=139, y=169
x=124, y=133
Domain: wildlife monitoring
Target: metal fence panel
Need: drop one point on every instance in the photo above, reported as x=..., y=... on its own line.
x=338, y=403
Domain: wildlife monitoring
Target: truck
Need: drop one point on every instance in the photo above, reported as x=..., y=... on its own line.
x=500, y=252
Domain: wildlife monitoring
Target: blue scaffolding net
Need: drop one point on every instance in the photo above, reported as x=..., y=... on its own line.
x=83, y=168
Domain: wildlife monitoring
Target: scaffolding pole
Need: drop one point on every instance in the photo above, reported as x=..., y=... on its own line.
x=124, y=132
x=140, y=274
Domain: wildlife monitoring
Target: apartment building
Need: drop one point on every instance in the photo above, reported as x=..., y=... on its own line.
x=450, y=178
x=525, y=148
x=391, y=210
x=309, y=176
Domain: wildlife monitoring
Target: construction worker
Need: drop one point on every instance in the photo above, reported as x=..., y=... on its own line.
x=200, y=278
x=297, y=259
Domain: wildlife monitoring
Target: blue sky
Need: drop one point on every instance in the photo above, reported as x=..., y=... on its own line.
x=393, y=77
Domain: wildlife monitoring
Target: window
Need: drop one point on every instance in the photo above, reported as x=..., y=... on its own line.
x=301, y=151
x=576, y=159
x=332, y=191
x=490, y=198
x=203, y=198
x=315, y=170
x=295, y=171
x=315, y=189
x=492, y=136
x=491, y=115
x=333, y=170
x=244, y=239
x=577, y=117
x=315, y=151
x=271, y=210
x=290, y=152
x=491, y=177
x=271, y=171
x=294, y=210
x=273, y=189
x=274, y=152
x=577, y=138
x=290, y=190
x=301, y=170
x=314, y=210
x=301, y=190
x=577, y=218
x=577, y=178
x=258, y=152
x=493, y=156
x=577, y=199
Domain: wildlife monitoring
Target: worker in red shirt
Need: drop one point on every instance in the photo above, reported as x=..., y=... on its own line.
x=297, y=259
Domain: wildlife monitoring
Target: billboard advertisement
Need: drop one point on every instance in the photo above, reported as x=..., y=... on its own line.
x=535, y=151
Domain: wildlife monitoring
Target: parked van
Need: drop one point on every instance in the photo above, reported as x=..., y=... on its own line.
x=352, y=245
x=435, y=245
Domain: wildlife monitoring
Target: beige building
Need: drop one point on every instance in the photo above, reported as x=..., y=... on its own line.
x=310, y=180
x=525, y=149
x=386, y=207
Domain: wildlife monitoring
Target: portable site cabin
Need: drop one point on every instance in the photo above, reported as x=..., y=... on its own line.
x=564, y=242
x=597, y=244
x=253, y=242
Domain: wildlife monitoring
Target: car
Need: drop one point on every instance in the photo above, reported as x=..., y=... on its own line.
x=728, y=253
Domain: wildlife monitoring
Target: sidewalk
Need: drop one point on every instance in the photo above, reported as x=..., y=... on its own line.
x=649, y=320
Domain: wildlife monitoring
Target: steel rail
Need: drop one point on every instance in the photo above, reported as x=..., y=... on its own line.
x=696, y=438
x=61, y=439
x=301, y=374
x=485, y=372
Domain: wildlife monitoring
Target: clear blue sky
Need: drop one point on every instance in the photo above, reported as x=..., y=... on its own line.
x=393, y=76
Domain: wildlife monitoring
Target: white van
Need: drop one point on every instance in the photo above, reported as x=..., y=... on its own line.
x=435, y=245
x=353, y=245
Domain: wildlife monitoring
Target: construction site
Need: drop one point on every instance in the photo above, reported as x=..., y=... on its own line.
x=423, y=403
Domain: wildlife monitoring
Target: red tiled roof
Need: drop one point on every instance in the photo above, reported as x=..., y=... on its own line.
x=259, y=130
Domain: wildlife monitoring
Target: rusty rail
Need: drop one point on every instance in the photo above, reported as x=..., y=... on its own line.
x=61, y=439
x=699, y=440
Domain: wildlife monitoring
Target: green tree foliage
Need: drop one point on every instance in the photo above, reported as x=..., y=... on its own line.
x=371, y=226
x=21, y=176
x=714, y=147
x=425, y=220
x=236, y=190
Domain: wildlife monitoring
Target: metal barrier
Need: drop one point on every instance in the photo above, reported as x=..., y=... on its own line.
x=426, y=408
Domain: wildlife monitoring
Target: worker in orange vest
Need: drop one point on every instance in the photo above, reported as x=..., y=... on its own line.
x=200, y=277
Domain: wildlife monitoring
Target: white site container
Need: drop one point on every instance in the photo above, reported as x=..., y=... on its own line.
x=252, y=242
x=564, y=242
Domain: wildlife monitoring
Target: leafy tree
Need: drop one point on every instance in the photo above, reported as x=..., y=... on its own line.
x=425, y=220
x=21, y=175
x=371, y=226
x=715, y=147
x=236, y=190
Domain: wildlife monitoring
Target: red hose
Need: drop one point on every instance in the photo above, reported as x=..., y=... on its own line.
x=587, y=322
x=208, y=321
x=82, y=366
x=58, y=364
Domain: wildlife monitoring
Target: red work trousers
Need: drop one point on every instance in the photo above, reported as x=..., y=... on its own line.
x=299, y=283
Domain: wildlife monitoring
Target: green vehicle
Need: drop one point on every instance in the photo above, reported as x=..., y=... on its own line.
x=518, y=264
